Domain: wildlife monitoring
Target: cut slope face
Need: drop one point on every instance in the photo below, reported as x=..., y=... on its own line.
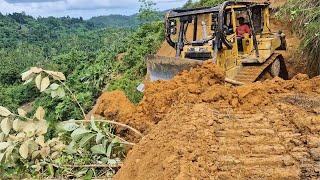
x=267, y=130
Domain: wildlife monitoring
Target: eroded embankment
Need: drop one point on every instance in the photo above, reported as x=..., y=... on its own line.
x=197, y=126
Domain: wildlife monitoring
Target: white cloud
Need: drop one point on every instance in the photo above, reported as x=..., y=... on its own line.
x=76, y=8
x=99, y=4
x=31, y=8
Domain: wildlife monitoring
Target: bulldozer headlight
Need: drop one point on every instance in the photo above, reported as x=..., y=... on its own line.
x=173, y=22
x=173, y=31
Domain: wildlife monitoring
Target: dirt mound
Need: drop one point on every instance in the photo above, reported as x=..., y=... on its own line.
x=261, y=130
x=159, y=97
x=199, y=127
x=113, y=105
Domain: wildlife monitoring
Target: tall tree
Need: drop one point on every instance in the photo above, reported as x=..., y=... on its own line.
x=188, y=4
x=147, y=11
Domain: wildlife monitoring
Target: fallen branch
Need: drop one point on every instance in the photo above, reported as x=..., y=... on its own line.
x=89, y=166
x=111, y=122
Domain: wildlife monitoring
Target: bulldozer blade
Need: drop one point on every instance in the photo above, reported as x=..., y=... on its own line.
x=165, y=68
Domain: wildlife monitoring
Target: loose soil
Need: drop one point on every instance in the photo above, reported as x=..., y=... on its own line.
x=198, y=127
x=159, y=98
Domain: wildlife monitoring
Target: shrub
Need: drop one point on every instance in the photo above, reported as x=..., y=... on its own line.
x=305, y=16
x=83, y=148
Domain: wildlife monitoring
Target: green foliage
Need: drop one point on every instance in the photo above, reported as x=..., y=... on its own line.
x=88, y=56
x=115, y=21
x=188, y=4
x=53, y=43
x=22, y=143
x=147, y=12
x=202, y=3
x=18, y=28
x=16, y=95
x=305, y=16
x=93, y=144
x=25, y=152
x=132, y=68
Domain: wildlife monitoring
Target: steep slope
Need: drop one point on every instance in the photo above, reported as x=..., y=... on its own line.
x=262, y=130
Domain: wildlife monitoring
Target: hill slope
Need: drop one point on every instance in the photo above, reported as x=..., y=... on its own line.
x=115, y=21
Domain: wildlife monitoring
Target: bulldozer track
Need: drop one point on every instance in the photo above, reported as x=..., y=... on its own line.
x=250, y=73
x=263, y=145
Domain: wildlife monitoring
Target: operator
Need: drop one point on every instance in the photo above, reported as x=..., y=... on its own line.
x=241, y=30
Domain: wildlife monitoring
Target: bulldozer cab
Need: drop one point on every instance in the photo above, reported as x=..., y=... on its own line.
x=214, y=33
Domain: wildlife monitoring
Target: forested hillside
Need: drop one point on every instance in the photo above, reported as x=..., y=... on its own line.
x=304, y=16
x=94, y=56
x=116, y=21
x=86, y=53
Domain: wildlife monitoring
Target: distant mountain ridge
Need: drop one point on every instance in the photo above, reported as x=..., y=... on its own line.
x=121, y=21
x=115, y=21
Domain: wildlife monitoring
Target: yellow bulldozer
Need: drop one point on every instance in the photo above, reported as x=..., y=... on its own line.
x=234, y=35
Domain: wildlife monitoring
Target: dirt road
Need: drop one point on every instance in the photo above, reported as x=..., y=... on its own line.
x=267, y=130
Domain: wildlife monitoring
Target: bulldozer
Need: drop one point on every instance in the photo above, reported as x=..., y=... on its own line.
x=210, y=34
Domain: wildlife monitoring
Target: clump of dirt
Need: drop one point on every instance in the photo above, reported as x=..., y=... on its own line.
x=160, y=96
x=113, y=105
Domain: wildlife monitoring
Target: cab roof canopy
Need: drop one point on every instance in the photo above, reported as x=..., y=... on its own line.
x=205, y=10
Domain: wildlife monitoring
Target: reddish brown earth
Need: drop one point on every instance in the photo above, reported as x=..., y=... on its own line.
x=198, y=127
x=159, y=98
x=109, y=102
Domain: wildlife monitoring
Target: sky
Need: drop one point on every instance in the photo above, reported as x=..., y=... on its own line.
x=83, y=8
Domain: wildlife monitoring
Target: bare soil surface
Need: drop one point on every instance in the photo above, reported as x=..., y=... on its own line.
x=198, y=127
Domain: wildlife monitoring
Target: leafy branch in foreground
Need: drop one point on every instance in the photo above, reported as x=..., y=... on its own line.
x=86, y=148
x=304, y=16
x=43, y=82
x=22, y=141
